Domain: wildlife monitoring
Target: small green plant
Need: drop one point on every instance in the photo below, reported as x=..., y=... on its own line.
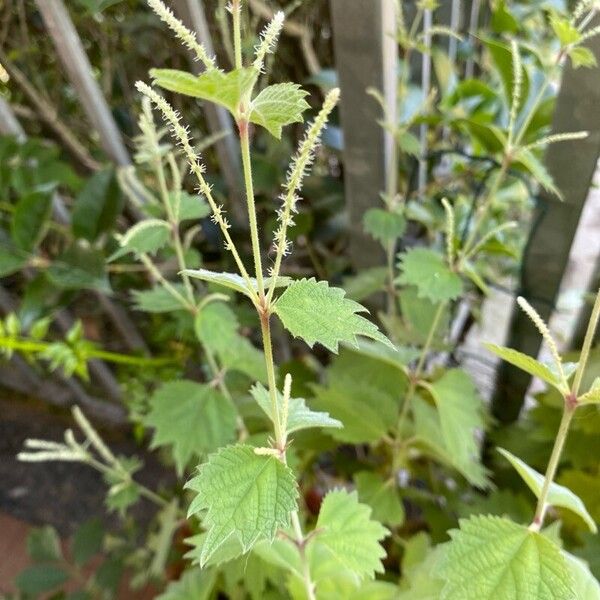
x=316, y=478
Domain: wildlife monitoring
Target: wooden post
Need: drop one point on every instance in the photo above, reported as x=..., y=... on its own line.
x=572, y=165
x=218, y=119
x=75, y=61
x=366, y=57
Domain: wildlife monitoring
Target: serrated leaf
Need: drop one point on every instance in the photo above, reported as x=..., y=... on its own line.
x=43, y=544
x=537, y=170
x=565, y=31
x=278, y=105
x=192, y=418
x=382, y=496
x=300, y=416
x=229, y=550
x=491, y=558
x=316, y=312
x=558, y=495
x=147, y=236
x=226, y=89
x=586, y=586
x=190, y=207
x=233, y=281
x=461, y=415
x=525, y=363
x=349, y=534
x=244, y=495
x=582, y=57
x=363, y=392
x=158, y=299
x=194, y=584
x=216, y=326
x=385, y=226
x=427, y=270
x=592, y=396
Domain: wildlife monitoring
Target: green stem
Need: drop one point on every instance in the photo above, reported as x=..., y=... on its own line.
x=415, y=376
x=483, y=209
x=587, y=345
x=164, y=192
x=27, y=346
x=265, y=327
x=301, y=543
x=247, y=167
x=559, y=443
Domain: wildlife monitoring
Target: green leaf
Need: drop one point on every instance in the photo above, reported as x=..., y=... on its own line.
x=491, y=558
x=123, y=492
x=363, y=392
x=97, y=205
x=300, y=416
x=315, y=312
x=216, y=326
x=503, y=61
x=383, y=225
x=191, y=207
x=382, y=496
x=10, y=262
x=226, y=89
x=565, y=31
x=592, y=396
x=147, y=236
x=558, y=495
x=195, y=584
x=193, y=418
x=427, y=270
x=461, y=415
x=278, y=105
x=40, y=578
x=537, y=170
x=582, y=57
x=233, y=281
x=79, y=267
x=43, y=544
x=158, y=299
x=351, y=537
x=586, y=585
x=244, y=495
x=525, y=363
x=365, y=283
x=87, y=541
x=29, y=218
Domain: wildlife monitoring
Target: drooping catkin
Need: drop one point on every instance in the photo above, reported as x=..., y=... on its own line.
x=268, y=40
x=181, y=135
x=543, y=329
x=298, y=168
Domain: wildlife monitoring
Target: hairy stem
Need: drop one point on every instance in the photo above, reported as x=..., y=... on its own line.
x=265, y=326
x=559, y=443
x=247, y=167
x=587, y=345
x=301, y=542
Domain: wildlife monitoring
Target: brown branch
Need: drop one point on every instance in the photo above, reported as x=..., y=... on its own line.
x=49, y=115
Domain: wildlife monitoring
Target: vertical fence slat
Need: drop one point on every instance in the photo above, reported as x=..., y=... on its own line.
x=572, y=165
x=366, y=57
x=218, y=119
x=75, y=61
